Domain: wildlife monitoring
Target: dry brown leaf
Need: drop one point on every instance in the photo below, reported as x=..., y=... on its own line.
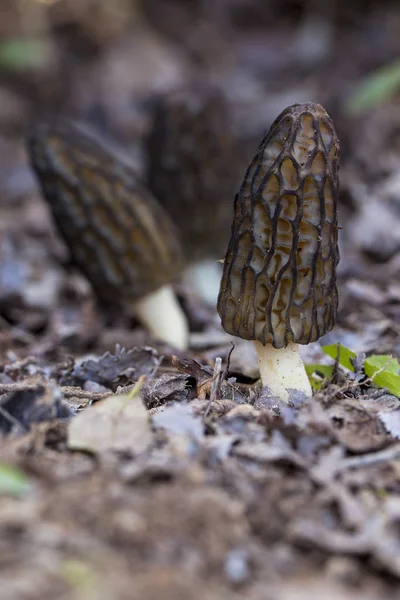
x=179, y=419
x=166, y=388
x=119, y=423
x=355, y=427
x=124, y=365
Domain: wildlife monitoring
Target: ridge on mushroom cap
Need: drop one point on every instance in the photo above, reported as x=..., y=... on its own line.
x=279, y=279
x=115, y=230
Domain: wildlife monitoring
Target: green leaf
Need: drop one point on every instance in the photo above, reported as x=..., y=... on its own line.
x=19, y=54
x=317, y=374
x=383, y=361
x=77, y=573
x=13, y=481
x=344, y=355
x=389, y=377
x=375, y=89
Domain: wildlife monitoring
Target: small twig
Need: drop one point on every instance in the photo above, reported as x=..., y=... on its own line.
x=216, y=380
x=156, y=367
x=6, y=388
x=228, y=361
x=358, y=364
x=135, y=391
x=137, y=388
x=353, y=384
x=67, y=391
x=215, y=384
x=372, y=458
x=75, y=392
x=335, y=370
x=9, y=417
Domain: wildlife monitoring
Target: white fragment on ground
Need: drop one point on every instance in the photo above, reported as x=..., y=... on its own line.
x=236, y=566
x=391, y=422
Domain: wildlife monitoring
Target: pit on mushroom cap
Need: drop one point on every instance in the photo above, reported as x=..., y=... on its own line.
x=279, y=282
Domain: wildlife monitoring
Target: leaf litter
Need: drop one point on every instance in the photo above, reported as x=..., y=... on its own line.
x=261, y=464
x=234, y=486
x=119, y=423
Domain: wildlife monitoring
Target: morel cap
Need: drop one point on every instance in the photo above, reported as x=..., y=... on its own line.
x=279, y=279
x=115, y=230
x=192, y=159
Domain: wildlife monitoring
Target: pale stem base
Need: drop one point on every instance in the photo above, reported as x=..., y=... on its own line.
x=161, y=313
x=282, y=370
x=204, y=277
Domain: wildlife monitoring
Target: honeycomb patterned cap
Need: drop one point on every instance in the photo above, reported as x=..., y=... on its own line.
x=116, y=232
x=279, y=279
x=193, y=156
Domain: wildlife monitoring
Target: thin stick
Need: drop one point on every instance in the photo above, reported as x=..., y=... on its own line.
x=4, y=413
x=372, y=458
x=228, y=361
x=215, y=385
x=67, y=391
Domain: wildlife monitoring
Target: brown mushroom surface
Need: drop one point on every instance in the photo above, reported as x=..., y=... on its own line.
x=192, y=153
x=279, y=280
x=116, y=232
x=193, y=159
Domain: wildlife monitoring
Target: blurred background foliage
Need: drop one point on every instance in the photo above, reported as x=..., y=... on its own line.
x=268, y=42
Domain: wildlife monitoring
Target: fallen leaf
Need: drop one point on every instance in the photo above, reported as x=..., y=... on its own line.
x=121, y=367
x=374, y=89
x=19, y=54
x=179, y=419
x=345, y=355
x=268, y=453
x=21, y=408
x=383, y=361
x=384, y=372
x=13, y=482
x=203, y=375
x=317, y=374
x=119, y=423
x=357, y=429
x=165, y=388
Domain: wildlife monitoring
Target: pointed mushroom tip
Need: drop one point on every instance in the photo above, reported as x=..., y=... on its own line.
x=297, y=109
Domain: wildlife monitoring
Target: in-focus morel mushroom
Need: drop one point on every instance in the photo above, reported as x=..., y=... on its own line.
x=192, y=158
x=279, y=281
x=116, y=232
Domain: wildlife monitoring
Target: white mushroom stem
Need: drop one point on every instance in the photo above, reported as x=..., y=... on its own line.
x=282, y=370
x=163, y=316
x=204, y=277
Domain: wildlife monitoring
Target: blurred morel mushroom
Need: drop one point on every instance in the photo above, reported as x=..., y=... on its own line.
x=279, y=281
x=192, y=160
x=116, y=232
